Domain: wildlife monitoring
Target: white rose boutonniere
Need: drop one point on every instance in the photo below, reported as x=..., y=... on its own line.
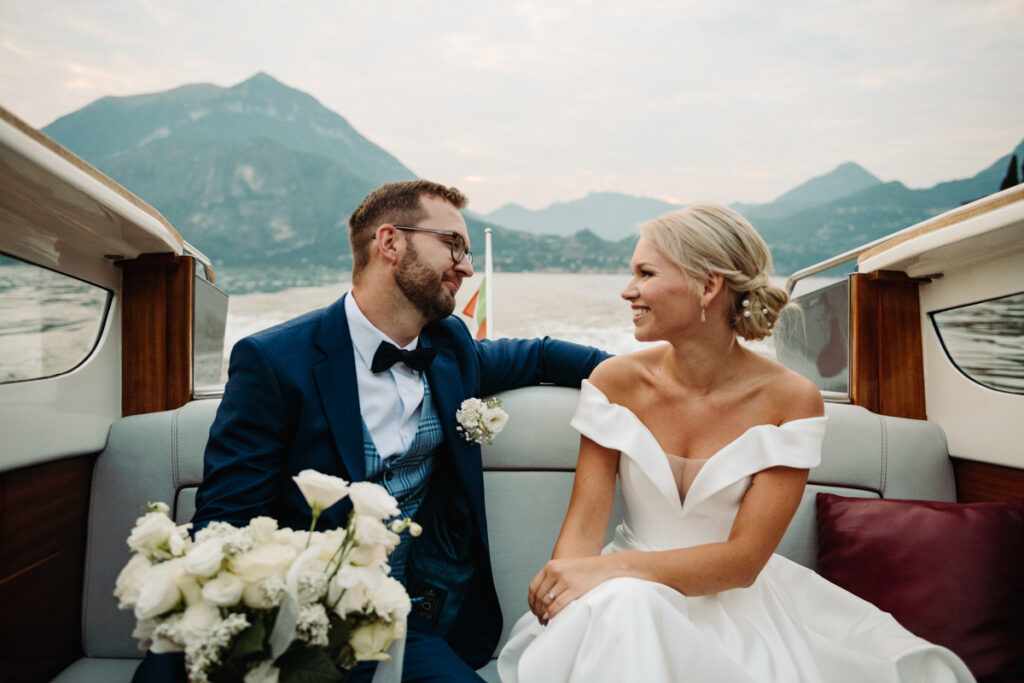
x=481, y=421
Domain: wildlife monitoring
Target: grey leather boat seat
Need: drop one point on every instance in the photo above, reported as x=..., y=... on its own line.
x=528, y=479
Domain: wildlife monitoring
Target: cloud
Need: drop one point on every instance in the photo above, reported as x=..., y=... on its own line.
x=546, y=101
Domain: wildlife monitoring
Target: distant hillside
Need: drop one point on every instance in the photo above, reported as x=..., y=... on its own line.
x=262, y=178
x=810, y=235
x=609, y=215
x=845, y=180
x=614, y=216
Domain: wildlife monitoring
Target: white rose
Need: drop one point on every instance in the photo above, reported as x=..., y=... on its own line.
x=179, y=540
x=269, y=559
x=224, y=590
x=354, y=599
x=264, y=594
x=144, y=632
x=215, y=530
x=371, y=641
x=159, y=592
x=372, y=499
x=470, y=410
x=205, y=558
x=368, y=556
x=262, y=529
x=152, y=530
x=372, y=531
x=321, y=491
x=494, y=420
x=130, y=581
x=351, y=575
x=165, y=636
x=189, y=586
x=390, y=600
x=197, y=622
x=296, y=539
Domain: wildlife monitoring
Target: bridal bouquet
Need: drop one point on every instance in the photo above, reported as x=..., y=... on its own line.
x=264, y=604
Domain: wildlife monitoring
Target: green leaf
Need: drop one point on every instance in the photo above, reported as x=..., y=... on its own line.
x=300, y=664
x=250, y=642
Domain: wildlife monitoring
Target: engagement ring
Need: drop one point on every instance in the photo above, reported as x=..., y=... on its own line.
x=551, y=596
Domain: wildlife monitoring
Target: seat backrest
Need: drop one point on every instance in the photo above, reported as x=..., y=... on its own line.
x=528, y=474
x=148, y=458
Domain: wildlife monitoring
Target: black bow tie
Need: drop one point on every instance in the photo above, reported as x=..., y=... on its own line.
x=389, y=354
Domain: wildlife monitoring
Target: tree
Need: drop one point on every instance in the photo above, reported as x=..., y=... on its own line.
x=1011, y=178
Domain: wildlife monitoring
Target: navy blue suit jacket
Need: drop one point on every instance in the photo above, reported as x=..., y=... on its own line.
x=291, y=403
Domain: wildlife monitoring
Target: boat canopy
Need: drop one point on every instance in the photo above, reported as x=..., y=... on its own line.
x=59, y=212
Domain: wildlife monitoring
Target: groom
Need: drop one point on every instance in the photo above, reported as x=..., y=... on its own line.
x=367, y=389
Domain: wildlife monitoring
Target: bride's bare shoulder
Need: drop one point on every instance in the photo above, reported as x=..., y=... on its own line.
x=797, y=396
x=618, y=376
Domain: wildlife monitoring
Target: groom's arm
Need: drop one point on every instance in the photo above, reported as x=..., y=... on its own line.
x=242, y=465
x=511, y=363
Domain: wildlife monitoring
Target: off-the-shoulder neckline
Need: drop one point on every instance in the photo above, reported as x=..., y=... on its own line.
x=636, y=418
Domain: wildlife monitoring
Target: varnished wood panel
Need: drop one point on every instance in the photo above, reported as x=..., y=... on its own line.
x=978, y=482
x=886, y=361
x=43, y=512
x=156, y=352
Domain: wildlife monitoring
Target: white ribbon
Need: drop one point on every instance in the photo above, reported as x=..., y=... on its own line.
x=288, y=614
x=283, y=633
x=390, y=670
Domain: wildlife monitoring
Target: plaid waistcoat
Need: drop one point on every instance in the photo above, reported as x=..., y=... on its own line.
x=406, y=476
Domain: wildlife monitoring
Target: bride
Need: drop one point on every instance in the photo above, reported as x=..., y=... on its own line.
x=712, y=443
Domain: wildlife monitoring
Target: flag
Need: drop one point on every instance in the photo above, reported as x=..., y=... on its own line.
x=477, y=309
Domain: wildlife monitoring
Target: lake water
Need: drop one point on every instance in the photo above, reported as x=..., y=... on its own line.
x=584, y=308
x=48, y=322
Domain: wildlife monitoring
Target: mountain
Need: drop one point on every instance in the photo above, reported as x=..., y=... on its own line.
x=613, y=216
x=609, y=215
x=810, y=235
x=846, y=179
x=262, y=178
x=260, y=107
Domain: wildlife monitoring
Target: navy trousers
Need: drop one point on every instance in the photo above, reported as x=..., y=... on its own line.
x=428, y=659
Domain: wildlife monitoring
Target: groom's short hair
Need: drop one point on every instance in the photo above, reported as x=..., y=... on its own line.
x=395, y=203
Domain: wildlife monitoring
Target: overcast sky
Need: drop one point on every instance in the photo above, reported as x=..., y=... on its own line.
x=539, y=102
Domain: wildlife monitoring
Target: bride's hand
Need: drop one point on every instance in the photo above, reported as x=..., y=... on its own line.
x=563, y=580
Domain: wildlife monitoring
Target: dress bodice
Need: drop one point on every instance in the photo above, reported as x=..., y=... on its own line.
x=657, y=516
x=684, y=471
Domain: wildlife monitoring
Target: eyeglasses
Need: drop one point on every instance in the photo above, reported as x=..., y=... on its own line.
x=458, y=245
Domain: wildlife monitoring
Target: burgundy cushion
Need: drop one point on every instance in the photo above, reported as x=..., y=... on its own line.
x=952, y=573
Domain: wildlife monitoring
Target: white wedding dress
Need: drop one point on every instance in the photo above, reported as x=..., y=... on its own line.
x=790, y=625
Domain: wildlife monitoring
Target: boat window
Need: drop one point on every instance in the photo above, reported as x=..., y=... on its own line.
x=209, y=316
x=49, y=322
x=985, y=341
x=813, y=337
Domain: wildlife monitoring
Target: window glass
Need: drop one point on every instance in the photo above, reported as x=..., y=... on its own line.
x=209, y=364
x=985, y=341
x=813, y=338
x=49, y=322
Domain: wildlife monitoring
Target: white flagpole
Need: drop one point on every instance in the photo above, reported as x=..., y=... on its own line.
x=487, y=283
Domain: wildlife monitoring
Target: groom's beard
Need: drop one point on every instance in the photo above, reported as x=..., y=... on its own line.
x=423, y=287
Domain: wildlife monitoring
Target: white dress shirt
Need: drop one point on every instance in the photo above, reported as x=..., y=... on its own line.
x=390, y=401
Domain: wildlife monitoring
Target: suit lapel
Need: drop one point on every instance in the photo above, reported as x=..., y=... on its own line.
x=339, y=394
x=448, y=392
